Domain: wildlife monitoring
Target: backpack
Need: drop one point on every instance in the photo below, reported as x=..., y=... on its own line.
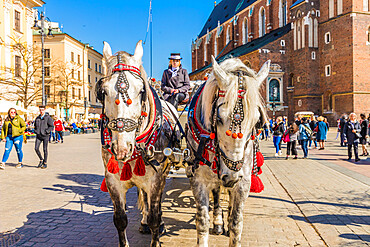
x=309, y=132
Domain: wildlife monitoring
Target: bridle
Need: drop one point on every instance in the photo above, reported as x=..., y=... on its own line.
x=122, y=85
x=237, y=118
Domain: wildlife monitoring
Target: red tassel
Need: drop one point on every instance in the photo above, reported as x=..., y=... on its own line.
x=103, y=186
x=112, y=165
x=205, y=155
x=139, y=169
x=259, y=171
x=256, y=184
x=260, y=159
x=126, y=173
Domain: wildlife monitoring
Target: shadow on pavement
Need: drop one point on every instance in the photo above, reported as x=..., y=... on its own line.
x=356, y=237
x=314, y=202
x=335, y=219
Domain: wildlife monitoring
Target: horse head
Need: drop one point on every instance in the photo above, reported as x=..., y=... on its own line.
x=123, y=94
x=234, y=89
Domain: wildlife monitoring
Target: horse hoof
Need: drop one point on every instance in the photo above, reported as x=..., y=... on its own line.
x=144, y=229
x=218, y=229
x=162, y=229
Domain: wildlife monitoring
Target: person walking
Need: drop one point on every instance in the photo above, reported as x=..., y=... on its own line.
x=12, y=134
x=43, y=126
x=305, y=133
x=351, y=132
x=364, y=134
x=322, y=131
x=59, y=128
x=175, y=81
x=278, y=130
x=292, y=131
x=312, y=124
x=342, y=122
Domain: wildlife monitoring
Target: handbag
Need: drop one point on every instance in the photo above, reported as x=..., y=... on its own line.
x=286, y=137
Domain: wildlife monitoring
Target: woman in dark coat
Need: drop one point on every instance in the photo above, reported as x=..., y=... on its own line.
x=351, y=128
x=175, y=81
x=364, y=131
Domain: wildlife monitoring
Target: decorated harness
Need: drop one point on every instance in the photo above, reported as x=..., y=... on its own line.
x=145, y=140
x=207, y=140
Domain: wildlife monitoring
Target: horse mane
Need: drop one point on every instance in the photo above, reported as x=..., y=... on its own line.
x=252, y=101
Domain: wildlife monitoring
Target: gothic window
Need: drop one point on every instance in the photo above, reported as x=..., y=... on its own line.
x=282, y=13
x=366, y=5
x=331, y=8
x=327, y=70
x=245, y=31
x=315, y=33
x=228, y=35
x=310, y=32
x=274, y=91
x=303, y=33
x=17, y=21
x=294, y=36
x=205, y=51
x=262, y=22
x=339, y=7
x=215, y=46
x=299, y=35
x=291, y=80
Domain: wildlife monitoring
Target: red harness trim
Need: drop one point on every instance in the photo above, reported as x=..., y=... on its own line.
x=144, y=136
x=200, y=131
x=125, y=67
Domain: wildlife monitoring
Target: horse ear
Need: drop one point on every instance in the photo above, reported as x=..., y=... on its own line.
x=264, y=72
x=138, y=55
x=218, y=71
x=107, y=50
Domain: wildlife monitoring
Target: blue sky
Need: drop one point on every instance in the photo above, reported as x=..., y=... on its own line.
x=123, y=23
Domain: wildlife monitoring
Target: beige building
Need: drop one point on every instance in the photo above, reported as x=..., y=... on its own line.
x=72, y=69
x=16, y=21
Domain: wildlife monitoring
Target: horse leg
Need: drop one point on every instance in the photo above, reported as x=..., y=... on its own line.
x=237, y=199
x=218, y=222
x=144, y=206
x=155, y=213
x=201, y=195
x=118, y=195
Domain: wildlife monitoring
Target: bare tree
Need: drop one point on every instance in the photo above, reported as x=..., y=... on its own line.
x=65, y=80
x=20, y=80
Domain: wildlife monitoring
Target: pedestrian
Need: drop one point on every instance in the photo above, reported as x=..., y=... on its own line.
x=278, y=130
x=292, y=131
x=12, y=133
x=312, y=124
x=266, y=130
x=43, y=126
x=305, y=134
x=175, y=81
x=364, y=134
x=322, y=131
x=342, y=122
x=59, y=128
x=352, y=136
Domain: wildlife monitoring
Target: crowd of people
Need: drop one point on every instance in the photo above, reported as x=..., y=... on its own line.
x=45, y=128
x=307, y=130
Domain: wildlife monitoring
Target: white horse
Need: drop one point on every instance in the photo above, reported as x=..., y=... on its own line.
x=221, y=136
x=134, y=126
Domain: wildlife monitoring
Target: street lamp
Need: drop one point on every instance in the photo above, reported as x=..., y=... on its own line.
x=40, y=16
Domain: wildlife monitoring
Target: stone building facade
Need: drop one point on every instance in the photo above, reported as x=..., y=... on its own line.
x=319, y=51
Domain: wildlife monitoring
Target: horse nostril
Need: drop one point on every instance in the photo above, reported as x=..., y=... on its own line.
x=224, y=178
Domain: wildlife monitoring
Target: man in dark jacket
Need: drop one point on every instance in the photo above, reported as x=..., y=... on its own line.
x=175, y=81
x=351, y=131
x=44, y=124
x=342, y=122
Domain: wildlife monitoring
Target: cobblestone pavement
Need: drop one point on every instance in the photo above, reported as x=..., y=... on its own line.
x=321, y=201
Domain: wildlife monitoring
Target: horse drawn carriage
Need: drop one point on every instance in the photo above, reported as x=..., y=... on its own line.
x=140, y=135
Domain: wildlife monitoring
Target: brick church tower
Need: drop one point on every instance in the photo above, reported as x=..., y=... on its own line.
x=319, y=51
